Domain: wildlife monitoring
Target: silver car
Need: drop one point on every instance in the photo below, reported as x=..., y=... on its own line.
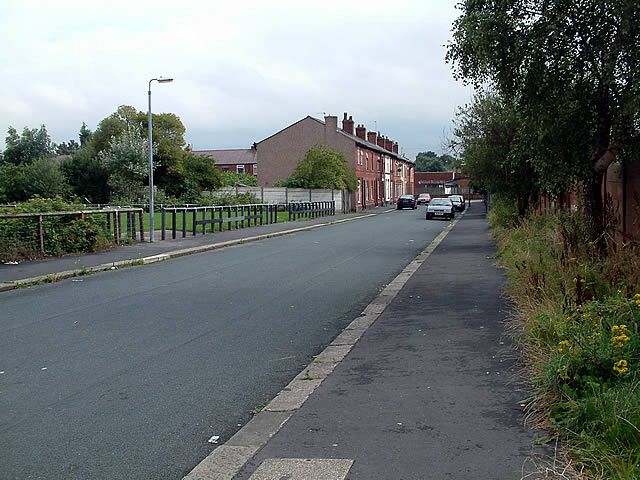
x=440, y=208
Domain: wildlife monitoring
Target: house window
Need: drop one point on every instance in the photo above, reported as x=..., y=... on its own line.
x=367, y=160
x=240, y=168
x=255, y=169
x=225, y=169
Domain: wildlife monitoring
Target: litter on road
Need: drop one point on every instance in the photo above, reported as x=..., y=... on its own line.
x=214, y=439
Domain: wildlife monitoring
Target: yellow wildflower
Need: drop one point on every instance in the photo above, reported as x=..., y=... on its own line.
x=619, y=329
x=563, y=345
x=619, y=341
x=621, y=367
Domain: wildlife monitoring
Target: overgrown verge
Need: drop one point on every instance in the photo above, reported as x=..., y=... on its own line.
x=19, y=238
x=579, y=328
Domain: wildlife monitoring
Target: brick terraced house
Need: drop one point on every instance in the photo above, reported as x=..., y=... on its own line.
x=383, y=174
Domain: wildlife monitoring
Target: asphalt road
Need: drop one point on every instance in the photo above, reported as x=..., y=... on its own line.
x=127, y=374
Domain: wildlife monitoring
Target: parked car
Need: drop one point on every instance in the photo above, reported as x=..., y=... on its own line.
x=440, y=208
x=458, y=202
x=406, y=201
x=423, y=198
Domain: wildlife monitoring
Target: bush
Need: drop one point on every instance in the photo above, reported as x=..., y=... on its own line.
x=218, y=198
x=19, y=238
x=231, y=179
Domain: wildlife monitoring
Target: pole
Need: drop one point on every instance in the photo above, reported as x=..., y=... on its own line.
x=150, y=149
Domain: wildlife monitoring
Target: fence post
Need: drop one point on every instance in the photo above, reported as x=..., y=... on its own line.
x=41, y=233
x=163, y=223
x=141, y=219
x=184, y=222
x=286, y=195
x=116, y=222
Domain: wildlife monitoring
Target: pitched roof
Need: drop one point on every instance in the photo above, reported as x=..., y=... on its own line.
x=234, y=156
x=357, y=140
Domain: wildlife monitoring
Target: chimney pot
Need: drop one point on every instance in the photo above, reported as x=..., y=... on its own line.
x=347, y=124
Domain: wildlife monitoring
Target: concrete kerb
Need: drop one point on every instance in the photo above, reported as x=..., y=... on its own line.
x=57, y=276
x=227, y=460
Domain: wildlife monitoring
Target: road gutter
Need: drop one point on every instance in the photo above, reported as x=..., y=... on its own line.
x=58, y=276
x=228, y=459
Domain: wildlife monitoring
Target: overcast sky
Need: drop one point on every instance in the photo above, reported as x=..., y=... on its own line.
x=243, y=69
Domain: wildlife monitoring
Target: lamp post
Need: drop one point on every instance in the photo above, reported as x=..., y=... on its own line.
x=150, y=149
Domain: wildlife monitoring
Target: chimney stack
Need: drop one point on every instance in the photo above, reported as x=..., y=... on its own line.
x=347, y=124
x=380, y=140
x=395, y=147
x=371, y=137
x=388, y=144
x=361, y=132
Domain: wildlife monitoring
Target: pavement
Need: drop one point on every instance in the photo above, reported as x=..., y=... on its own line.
x=422, y=385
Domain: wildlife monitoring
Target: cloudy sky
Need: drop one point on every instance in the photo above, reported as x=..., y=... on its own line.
x=243, y=69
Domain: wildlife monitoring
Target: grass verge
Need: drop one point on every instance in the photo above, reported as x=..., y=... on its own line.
x=578, y=324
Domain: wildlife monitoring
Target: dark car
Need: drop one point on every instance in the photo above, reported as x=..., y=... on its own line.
x=406, y=201
x=440, y=208
x=458, y=202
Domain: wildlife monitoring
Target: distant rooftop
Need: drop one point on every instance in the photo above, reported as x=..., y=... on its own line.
x=234, y=156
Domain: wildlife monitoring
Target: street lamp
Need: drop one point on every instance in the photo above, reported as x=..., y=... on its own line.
x=150, y=149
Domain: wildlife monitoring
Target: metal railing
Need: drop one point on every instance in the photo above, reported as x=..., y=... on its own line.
x=311, y=209
x=224, y=217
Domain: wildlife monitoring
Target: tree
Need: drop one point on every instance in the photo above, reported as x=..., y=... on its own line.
x=84, y=135
x=126, y=159
x=572, y=69
x=45, y=178
x=28, y=147
x=323, y=167
x=168, y=140
x=201, y=172
x=429, y=162
x=488, y=134
x=67, y=148
x=87, y=176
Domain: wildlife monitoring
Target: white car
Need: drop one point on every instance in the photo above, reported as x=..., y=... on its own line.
x=440, y=208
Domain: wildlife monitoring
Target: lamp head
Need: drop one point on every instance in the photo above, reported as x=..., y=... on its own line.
x=165, y=80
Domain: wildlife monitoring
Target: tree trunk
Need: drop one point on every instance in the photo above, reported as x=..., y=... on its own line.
x=594, y=209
